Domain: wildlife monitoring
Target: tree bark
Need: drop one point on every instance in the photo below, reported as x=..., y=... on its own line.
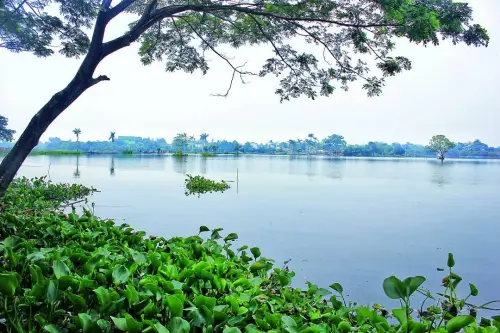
x=37, y=126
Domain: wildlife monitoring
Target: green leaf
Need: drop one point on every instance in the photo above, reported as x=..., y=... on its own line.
x=178, y=325
x=120, y=274
x=175, y=305
x=258, y=265
x=337, y=287
x=231, y=330
x=131, y=294
x=412, y=284
x=209, y=302
x=11, y=242
x=52, y=328
x=159, y=328
x=255, y=252
x=203, y=229
x=133, y=326
x=451, y=260
x=400, y=315
x=60, y=269
x=473, y=290
x=52, y=292
x=289, y=324
x=77, y=300
x=457, y=323
x=92, y=263
x=8, y=284
x=394, y=288
x=120, y=323
x=88, y=325
x=103, y=325
x=232, y=236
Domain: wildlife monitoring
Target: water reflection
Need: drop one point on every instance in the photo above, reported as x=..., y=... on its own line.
x=112, y=167
x=77, y=174
x=203, y=165
x=441, y=173
x=180, y=164
x=334, y=168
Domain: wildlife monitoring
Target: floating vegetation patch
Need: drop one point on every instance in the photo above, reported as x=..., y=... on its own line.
x=197, y=185
x=179, y=153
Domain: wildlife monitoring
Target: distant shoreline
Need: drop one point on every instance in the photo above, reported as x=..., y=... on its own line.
x=80, y=153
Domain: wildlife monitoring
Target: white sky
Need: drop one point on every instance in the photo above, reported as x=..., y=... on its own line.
x=451, y=90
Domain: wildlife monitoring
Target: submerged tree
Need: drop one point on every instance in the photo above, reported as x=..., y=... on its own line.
x=441, y=145
x=5, y=133
x=181, y=32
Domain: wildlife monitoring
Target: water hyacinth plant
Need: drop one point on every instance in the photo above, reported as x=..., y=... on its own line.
x=80, y=273
x=197, y=185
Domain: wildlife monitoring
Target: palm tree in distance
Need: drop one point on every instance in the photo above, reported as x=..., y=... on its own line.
x=112, y=138
x=77, y=132
x=203, y=139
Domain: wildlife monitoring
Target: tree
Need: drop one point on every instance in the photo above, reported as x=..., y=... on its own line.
x=203, y=139
x=5, y=133
x=237, y=147
x=180, y=31
x=112, y=137
x=180, y=141
x=440, y=144
x=77, y=132
x=334, y=144
x=311, y=142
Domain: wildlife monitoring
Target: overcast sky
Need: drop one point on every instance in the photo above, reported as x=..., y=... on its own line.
x=451, y=90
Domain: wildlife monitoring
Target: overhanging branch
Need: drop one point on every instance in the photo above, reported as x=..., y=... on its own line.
x=236, y=69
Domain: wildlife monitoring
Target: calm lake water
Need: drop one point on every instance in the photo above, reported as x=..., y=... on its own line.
x=355, y=221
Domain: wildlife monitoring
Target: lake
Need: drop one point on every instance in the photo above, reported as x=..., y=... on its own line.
x=354, y=221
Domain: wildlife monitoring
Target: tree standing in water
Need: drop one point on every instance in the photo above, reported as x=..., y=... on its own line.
x=440, y=145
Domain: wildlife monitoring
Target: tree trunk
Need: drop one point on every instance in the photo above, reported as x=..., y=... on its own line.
x=37, y=126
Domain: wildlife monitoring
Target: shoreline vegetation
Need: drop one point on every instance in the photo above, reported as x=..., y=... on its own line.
x=334, y=145
x=71, y=272
x=208, y=155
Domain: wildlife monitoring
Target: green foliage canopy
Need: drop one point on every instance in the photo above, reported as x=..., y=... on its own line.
x=5, y=133
x=440, y=144
x=179, y=32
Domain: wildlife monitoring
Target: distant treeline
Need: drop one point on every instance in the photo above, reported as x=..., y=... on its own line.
x=334, y=145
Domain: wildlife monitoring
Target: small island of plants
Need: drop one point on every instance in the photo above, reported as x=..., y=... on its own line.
x=200, y=185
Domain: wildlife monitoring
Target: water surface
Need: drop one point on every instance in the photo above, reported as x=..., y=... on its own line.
x=355, y=221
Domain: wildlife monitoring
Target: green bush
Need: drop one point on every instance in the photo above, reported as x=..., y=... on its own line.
x=200, y=185
x=207, y=154
x=128, y=152
x=80, y=273
x=179, y=153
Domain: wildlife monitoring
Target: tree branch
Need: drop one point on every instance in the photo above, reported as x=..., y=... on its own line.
x=236, y=69
x=120, y=7
x=274, y=45
x=319, y=40
x=98, y=79
x=12, y=13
